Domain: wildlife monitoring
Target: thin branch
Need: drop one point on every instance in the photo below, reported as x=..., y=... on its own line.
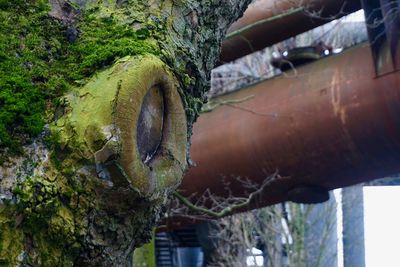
x=214, y=104
x=263, y=21
x=229, y=209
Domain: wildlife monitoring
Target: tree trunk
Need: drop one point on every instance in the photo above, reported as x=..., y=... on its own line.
x=321, y=235
x=353, y=226
x=97, y=103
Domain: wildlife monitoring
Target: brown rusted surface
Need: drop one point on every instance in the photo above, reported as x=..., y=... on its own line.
x=330, y=124
x=278, y=20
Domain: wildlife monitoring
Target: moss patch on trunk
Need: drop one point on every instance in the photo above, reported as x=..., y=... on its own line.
x=42, y=57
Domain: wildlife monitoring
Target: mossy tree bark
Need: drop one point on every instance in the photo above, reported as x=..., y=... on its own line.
x=81, y=184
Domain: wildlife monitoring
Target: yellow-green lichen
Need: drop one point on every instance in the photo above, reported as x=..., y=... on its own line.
x=11, y=238
x=50, y=221
x=101, y=118
x=145, y=255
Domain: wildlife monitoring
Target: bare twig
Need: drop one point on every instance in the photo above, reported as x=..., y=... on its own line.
x=210, y=106
x=264, y=21
x=227, y=210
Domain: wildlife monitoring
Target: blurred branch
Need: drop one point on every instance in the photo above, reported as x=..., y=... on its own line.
x=211, y=105
x=230, y=209
x=263, y=21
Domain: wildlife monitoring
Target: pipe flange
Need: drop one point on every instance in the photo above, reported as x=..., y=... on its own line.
x=308, y=194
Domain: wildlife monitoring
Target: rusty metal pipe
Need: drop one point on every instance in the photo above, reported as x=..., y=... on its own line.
x=330, y=124
x=270, y=21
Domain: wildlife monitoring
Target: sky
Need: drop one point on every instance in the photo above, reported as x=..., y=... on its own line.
x=382, y=226
x=356, y=16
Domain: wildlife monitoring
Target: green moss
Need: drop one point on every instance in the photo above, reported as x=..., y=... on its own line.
x=10, y=237
x=145, y=255
x=38, y=63
x=50, y=221
x=40, y=230
x=193, y=107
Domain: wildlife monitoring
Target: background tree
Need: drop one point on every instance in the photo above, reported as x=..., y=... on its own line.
x=288, y=234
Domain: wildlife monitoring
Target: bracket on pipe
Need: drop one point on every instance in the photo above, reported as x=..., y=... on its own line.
x=383, y=25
